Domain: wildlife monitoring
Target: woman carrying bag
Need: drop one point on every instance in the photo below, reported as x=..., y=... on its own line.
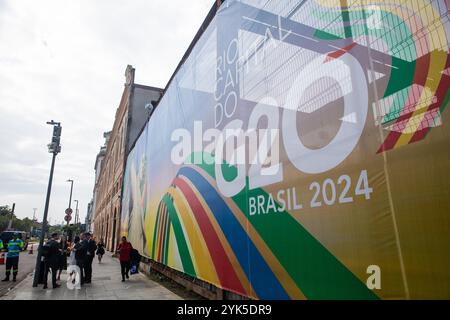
x=124, y=250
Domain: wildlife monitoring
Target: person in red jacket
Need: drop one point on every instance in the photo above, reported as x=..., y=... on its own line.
x=124, y=250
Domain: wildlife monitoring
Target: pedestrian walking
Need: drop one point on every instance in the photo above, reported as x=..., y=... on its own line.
x=62, y=257
x=14, y=246
x=52, y=260
x=90, y=253
x=80, y=249
x=100, y=250
x=124, y=250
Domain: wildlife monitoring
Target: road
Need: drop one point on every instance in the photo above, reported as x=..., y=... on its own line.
x=26, y=266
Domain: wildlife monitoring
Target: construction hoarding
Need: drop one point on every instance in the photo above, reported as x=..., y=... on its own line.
x=343, y=106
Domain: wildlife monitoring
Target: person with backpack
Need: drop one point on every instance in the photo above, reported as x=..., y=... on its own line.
x=51, y=255
x=124, y=250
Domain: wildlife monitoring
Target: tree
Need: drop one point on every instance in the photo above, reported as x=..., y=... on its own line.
x=58, y=229
x=5, y=211
x=4, y=221
x=22, y=224
x=5, y=216
x=17, y=224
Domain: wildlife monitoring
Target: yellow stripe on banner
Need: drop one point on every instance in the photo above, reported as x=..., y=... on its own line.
x=230, y=254
x=159, y=227
x=437, y=64
x=151, y=221
x=147, y=234
x=124, y=229
x=172, y=251
x=203, y=264
x=282, y=275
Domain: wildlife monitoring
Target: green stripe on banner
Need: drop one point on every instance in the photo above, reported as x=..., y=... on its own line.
x=445, y=103
x=317, y=272
x=155, y=231
x=185, y=255
x=403, y=62
x=167, y=241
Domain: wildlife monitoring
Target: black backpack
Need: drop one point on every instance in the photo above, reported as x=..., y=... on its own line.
x=135, y=256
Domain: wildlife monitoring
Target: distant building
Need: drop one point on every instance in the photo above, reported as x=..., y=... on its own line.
x=90, y=216
x=133, y=112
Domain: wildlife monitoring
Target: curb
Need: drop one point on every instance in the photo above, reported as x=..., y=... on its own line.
x=18, y=285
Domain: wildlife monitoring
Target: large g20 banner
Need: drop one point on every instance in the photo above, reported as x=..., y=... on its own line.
x=302, y=151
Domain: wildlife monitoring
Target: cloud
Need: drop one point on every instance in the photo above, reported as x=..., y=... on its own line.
x=65, y=60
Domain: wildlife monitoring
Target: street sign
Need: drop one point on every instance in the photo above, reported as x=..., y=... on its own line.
x=68, y=218
x=69, y=211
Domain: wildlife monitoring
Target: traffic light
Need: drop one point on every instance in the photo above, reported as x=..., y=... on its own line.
x=54, y=146
x=56, y=134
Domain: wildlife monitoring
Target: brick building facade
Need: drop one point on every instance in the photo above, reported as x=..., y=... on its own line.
x=131, y=116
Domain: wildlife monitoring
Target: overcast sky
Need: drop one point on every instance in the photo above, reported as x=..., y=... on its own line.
x=65, y=60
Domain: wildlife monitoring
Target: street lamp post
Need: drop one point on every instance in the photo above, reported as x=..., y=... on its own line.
x=70, y=201
x=71, y=189
x=54, y=148
x=76, y=212
x=12, y=217
x=33, y=221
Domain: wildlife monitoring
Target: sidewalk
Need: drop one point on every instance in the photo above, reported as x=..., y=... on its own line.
x=106, y=285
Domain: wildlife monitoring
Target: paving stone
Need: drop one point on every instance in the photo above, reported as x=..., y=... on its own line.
x=106, y=285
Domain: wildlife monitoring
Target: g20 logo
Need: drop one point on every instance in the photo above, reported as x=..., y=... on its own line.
x=349, y=74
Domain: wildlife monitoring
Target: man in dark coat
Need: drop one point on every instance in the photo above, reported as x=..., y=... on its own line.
x=80, y=256
x=90, y=254
x=52, y=260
